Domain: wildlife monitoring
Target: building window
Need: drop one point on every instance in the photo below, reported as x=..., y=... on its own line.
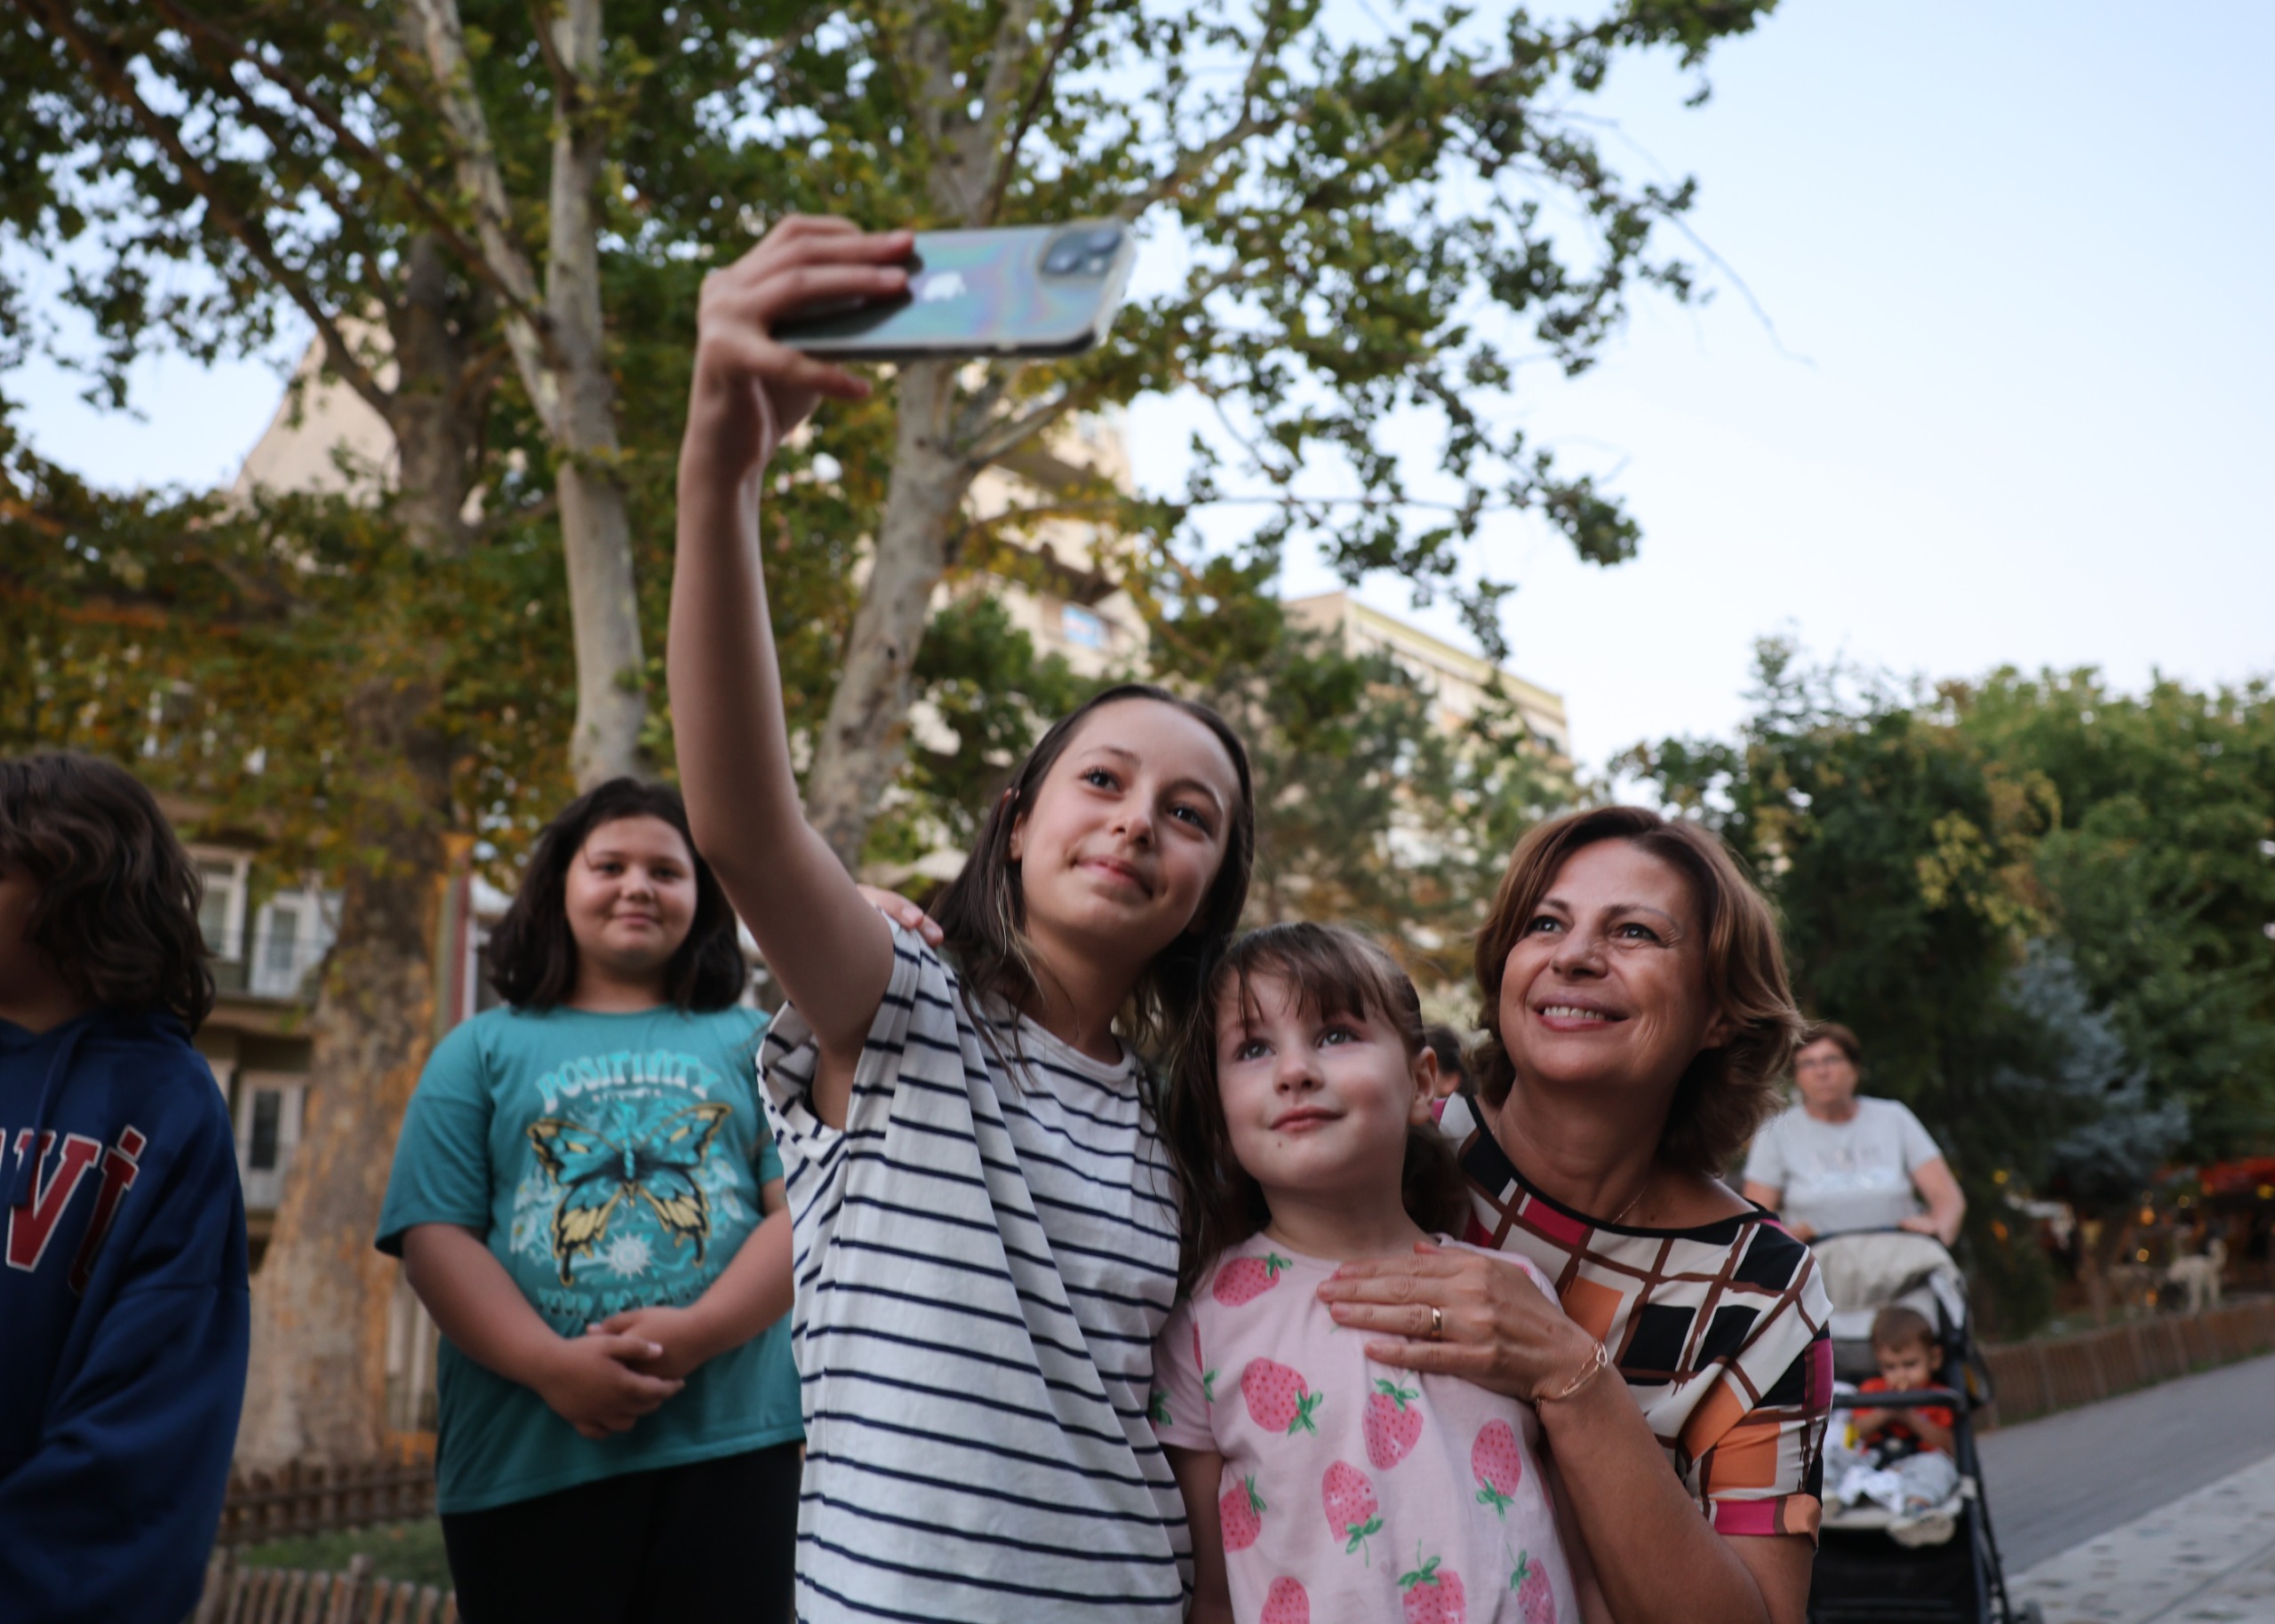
x=221, y=911
x=268, y=1107
x=267, y=1116
x=1083, y=628
x=289, y=938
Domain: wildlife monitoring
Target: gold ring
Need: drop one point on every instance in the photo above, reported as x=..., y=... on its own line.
x=1437, y=1322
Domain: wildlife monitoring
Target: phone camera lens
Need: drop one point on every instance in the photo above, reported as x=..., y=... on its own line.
x=1105, y=240
x=1062, y=259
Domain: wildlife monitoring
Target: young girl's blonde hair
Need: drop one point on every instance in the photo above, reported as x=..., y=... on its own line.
x=1333, y=971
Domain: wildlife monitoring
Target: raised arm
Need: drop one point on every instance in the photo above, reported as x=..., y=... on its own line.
x=828, y=948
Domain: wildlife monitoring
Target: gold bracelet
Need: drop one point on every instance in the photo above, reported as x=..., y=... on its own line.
x=1597, y=1360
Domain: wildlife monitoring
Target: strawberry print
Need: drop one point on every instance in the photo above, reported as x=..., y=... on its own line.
x=1157, y=1409
x=1497, y=1464
x=1536, y=1599
x=1241, y=1514
x=1279, y=1400
x=1208, y=1377
x=1393, y=1423
x=1244, y=1280
x=1286, y=1603
x=1352, y=1512
x=1434, y=1595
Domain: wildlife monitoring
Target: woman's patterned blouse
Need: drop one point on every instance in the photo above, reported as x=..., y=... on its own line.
x=1719, y=1329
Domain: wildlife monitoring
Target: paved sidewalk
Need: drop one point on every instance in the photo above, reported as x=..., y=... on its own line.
x=2062, y=1479
x=2207, y=1557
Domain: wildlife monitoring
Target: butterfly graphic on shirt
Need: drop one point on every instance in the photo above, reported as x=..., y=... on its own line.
x=636, y=1150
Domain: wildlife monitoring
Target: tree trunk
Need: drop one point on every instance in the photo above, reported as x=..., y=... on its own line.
x=437, y=405
x=866, y=734
x=317, y=1388
x=596, y=528
x=317, y=1391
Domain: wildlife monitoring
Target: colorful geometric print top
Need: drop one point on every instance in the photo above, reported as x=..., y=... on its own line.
x=1719, y=1329
x=984, y=1258
x=1353, y=1493
x=612, y=1162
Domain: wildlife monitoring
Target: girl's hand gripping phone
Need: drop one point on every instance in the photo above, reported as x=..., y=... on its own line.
x=749, y=391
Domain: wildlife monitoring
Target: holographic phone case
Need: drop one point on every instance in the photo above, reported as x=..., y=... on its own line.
x=1016, y=290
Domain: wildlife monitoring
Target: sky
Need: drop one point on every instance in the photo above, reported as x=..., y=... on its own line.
x=2010, y=405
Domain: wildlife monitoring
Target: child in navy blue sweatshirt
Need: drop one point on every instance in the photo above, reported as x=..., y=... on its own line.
x=123, y=1315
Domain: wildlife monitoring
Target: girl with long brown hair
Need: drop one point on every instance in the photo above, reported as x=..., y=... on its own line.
x=985, y=1226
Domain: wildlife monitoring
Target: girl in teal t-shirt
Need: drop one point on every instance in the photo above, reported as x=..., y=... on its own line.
x=586, y=1199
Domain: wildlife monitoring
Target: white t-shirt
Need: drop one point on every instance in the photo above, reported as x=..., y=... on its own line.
x=984, y=1261
x=1839, y=1176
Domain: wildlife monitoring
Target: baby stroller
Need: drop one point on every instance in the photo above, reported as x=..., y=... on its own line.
x=1940, y=1564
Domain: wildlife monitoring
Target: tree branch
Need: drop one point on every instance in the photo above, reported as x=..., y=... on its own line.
x=1006, y=152
x=420, y=198
x=1244, y=128
x=111, y=78
x=528, y=335
x=1009, y=433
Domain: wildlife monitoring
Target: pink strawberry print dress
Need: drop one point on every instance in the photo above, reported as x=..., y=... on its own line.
x=1351, y=1491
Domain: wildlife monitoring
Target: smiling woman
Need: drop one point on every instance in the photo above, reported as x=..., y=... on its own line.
x=1638, y=1015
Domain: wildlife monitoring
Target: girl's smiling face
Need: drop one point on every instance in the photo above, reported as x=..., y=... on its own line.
x=1127, y=831
x=1317, y=1102
x=630, y=897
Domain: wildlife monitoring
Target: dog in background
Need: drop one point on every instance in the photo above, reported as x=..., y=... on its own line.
x=2199, y=1275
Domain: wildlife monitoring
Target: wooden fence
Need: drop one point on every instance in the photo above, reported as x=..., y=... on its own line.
x=2056, y=1372
x=306, y=1499
x=238, y=1595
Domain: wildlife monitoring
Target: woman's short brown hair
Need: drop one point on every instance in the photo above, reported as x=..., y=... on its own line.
x=1839, y=1036
x=117, y=908
x=1725, y=1091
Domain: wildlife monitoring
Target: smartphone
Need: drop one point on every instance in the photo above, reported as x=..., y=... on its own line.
x=1038, y=290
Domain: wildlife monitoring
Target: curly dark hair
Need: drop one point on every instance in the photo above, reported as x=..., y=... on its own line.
x=1335, y=971
x=117, y=908
x=533, y=953
x=1726, y=1091
x=983, y=911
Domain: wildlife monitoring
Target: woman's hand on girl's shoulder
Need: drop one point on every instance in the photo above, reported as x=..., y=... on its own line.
x=1494, y=1326
x=904, y=913
x=750, y=391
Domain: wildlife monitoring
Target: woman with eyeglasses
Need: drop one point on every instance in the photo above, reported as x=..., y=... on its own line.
x=1838, y=1161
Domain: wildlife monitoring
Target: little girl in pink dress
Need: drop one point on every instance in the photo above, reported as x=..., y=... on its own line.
x=1322, y=1486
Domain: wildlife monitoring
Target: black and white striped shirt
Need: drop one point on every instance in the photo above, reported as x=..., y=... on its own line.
x=982, y=1261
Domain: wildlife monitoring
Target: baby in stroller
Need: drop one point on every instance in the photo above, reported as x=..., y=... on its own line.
x=1901, y=1458
x=1906, y=1532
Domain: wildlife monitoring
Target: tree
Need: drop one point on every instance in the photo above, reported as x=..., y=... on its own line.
x=2159, y=872
x=2107, y=1138
x=395, y=177
x=1301, y=172
x=2058, y=978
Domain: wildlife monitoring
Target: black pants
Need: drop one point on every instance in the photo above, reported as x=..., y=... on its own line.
x=714, y=1539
